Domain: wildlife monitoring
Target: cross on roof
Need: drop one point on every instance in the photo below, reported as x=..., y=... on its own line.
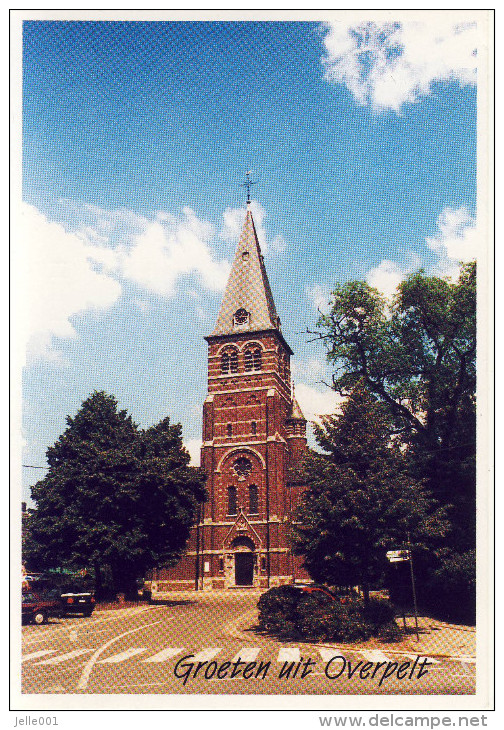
x=248, y=183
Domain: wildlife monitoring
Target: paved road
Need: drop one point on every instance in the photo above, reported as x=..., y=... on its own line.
x=141, y=650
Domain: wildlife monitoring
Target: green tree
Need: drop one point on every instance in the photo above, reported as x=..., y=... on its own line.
x=114, y=497
x=419, y=360
x=360, y=499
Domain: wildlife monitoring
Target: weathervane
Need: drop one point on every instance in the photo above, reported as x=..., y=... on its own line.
x=248, y=183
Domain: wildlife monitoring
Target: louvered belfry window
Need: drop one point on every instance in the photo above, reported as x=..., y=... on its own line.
x=229, y=361
x=257, y=358
x=253, y=359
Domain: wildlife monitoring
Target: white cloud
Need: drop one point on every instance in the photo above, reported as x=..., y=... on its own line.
x=54, y=279
x=160, y=255
x=386, y=277
x=387, y=65
x=233, y=224
x=154, y=252
x=319, y=297
x=315, y=403
x=457, y=239
x=98, y=225
x=193, y=446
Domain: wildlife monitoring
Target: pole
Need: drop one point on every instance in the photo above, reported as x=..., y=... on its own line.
x=413, y=586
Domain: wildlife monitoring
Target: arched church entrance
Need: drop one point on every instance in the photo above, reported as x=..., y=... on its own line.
x=244, y=559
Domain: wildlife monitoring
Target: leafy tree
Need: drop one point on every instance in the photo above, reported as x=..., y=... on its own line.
x=115, y=497
x=361, y=499
x=419, y=360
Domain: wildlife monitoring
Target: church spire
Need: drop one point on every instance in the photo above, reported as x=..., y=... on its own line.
x=247, y=304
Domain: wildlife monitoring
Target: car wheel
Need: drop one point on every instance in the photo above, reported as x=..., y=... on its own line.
x=87, y=613
x=39, y=617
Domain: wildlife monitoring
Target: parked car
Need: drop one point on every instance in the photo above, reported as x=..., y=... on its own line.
x=36, y=608
x=77, y=603
x=315, y=588
x=74, y=598
x=341, y=594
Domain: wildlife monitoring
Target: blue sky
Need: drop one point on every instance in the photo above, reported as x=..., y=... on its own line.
x=136, y=137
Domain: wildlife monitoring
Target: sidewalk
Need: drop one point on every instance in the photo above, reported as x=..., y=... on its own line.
x=439, y=639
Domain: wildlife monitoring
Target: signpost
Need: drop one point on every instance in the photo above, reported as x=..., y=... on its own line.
x=401, y=556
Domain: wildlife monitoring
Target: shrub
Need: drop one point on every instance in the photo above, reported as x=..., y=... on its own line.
x=318, y=615
x=451, y=590
x=290, y=613
x=378, y=612
x=277, y=611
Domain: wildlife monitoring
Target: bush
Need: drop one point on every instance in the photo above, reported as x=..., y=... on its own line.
x=277, y=611
x=378, y=613
x=289, y=613
x=451, y=590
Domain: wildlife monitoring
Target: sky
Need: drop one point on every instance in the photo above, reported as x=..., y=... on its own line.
x=361, y=135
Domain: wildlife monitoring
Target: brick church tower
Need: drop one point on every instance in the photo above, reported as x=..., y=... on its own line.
x=254, y=435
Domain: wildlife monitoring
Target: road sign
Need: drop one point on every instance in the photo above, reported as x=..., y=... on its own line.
x=398, y=556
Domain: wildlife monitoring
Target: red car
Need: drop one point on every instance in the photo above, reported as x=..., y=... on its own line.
x=36, y=608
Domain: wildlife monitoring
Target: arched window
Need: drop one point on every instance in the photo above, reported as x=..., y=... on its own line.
x=253, y=358
x=284, y=366
x=253, y=500
x=248, y=360
x=233, y=361
x=229, y=361
x=257, y=358
x=232, y=502
x=224, y=363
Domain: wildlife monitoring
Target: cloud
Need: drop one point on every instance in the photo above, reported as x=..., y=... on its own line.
x=153, y=252
x=78, y=264
x=388, y=65
x=233, y=224
x=386, y=277
x=97, y=225
x=54, y=279
x=457, y=239
x=193, y=446
x=319, y=297
x=161, y=255
x=315, y=403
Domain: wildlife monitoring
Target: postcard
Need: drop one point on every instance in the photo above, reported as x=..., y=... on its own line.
x=252, y=359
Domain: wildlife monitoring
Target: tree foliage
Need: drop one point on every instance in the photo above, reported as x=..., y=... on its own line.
x=419, y=360
x=115, y=496
x=361, y=499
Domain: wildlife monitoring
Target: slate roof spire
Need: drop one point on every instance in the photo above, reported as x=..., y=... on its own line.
x=247, y=304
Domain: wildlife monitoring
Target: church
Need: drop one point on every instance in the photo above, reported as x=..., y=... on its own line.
x=254, y=437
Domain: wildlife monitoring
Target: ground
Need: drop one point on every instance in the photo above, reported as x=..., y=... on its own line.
x=141, y=650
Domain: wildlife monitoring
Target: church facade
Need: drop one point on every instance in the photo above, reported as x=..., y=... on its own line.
x=254, y=436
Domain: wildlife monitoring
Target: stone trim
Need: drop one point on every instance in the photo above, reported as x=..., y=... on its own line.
x=263, y=551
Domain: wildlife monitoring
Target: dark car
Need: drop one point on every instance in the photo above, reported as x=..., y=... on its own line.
x=36, y=608
x=75, y=597
x=83, y=603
